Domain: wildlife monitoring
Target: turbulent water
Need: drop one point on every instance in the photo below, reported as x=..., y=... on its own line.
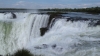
x=63, y=38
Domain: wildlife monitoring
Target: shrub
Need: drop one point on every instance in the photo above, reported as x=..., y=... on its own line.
x=22, y=52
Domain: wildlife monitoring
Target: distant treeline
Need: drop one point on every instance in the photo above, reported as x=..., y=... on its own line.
x=12, y=9
x=89, y=10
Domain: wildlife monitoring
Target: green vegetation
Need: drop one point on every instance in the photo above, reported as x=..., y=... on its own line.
x=12, y=9
x=88, y=10
x=92, y=10
x=23, y=52
x=57, y=12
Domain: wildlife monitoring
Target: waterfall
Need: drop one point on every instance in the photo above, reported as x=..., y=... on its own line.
x=66, y=38
x=15, y=33
x=63, y=37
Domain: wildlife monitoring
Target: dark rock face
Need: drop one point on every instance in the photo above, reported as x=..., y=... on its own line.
x=98, y=23
x=43, y=30
x=77, y=19
x=53, y=15
x=92, y=23
x=73, y=19
x=13, y=15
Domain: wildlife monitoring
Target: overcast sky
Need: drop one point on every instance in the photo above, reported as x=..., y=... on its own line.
x=36, y=4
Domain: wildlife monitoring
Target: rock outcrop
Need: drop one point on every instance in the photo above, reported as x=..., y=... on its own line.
x=43, y=30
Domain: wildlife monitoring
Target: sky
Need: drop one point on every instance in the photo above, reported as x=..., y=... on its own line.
x=40, y=4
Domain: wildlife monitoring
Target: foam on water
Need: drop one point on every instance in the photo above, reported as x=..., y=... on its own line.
x=70, y=39
x=64, y=38
x=15, y=33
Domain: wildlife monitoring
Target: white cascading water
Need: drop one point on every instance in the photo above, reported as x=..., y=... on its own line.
x=68, y=39
x=15, y=33
x=64, y=38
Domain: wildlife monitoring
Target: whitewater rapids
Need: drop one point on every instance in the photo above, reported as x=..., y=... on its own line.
x=64, y=38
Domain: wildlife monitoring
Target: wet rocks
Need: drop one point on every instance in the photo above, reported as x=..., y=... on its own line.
x=53, y=15
x=97, y=23
x=77, y=19
x=10, y=15
x=57, y=48
x=37, y=47
x=13, y=15
x=54, y=46
x=93, y=22
x=43, y=30
x=43, y=46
